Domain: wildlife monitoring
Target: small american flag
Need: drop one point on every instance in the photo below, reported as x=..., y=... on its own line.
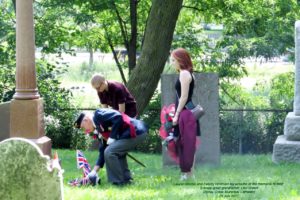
x=82, y=163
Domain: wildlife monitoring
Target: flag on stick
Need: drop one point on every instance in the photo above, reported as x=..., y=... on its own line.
x=82, y=163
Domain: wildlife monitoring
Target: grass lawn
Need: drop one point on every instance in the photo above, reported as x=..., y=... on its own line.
x=236, y=175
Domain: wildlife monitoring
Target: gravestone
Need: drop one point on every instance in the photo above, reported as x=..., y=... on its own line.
x=206, y=92
x=287, y=146
x=26, y=173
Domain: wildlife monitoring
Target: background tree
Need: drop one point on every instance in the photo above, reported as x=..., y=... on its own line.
x=258, y=28
x=157, y=42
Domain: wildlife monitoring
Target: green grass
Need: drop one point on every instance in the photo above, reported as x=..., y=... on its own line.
x=156, y=182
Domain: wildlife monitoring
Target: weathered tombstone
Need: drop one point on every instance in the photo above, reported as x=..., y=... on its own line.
x=287, y=146
x=26, y=173
x=207, y=94
x=26, y=115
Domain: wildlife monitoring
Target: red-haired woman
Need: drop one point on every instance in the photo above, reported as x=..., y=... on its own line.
x=187, y=128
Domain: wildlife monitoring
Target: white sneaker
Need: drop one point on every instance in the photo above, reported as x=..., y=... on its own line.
x=183, y=177
x=186, y=176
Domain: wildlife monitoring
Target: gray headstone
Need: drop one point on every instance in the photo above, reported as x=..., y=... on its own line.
x=26, y=172
x=287, y=147
x=206, y=92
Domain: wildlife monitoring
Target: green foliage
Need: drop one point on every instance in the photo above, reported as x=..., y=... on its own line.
x=151, y=116
x=233, y=95
x=60, y=124
x=7, y=51
x=282, y=91
x=281, y=96
x=80, y=140
x=53, y=30
x=244, y=132
x=258, y=28
x=255, y=131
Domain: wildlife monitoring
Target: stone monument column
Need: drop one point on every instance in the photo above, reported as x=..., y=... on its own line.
x=26, y=108
x=25, y=46
x=287, y=146
x=297, y=70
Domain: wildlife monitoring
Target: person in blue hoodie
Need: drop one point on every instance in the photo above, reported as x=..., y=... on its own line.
x=119, y=134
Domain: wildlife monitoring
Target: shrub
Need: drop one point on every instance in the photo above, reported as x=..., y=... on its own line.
x=58, y=115
x=151, y=117
x=80, y=140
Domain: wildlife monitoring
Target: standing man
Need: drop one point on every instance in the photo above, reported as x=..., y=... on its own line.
x=120, y=133
x=115, y=95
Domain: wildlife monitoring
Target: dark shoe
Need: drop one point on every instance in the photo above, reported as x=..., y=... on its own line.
x=128, y=182
x=118, y=183
x=128, y=179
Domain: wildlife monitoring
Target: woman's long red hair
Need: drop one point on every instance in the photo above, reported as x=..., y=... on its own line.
x=183, y=58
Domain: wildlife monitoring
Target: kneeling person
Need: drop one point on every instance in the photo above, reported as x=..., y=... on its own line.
x=119, y=134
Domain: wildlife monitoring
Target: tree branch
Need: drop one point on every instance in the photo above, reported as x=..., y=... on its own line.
x=231, y=97
x=115, y=55
x=122, y=26
x=192, y=7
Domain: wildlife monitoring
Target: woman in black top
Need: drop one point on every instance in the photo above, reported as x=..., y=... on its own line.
x=187, y=124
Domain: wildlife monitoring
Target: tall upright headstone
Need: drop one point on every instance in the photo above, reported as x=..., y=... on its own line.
x=287, y=146
x=206, y=92
x=26, y=173
x=26, y=108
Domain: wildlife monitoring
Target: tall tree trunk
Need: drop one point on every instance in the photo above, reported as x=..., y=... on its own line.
x=133, y=37
x=91, y=59
x=158, y=38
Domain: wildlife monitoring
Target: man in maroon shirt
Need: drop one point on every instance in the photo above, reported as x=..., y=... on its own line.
x=115, y=95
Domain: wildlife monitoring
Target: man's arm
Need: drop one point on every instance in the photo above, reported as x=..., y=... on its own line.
x=100, y=161
x=96, y=168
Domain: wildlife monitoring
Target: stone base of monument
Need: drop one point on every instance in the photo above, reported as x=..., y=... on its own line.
x=27, y=121
x=44, y=143
x=22, y=111
x=27, y=118
x=292, y=127
x=4, y=120
x=285, y=150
